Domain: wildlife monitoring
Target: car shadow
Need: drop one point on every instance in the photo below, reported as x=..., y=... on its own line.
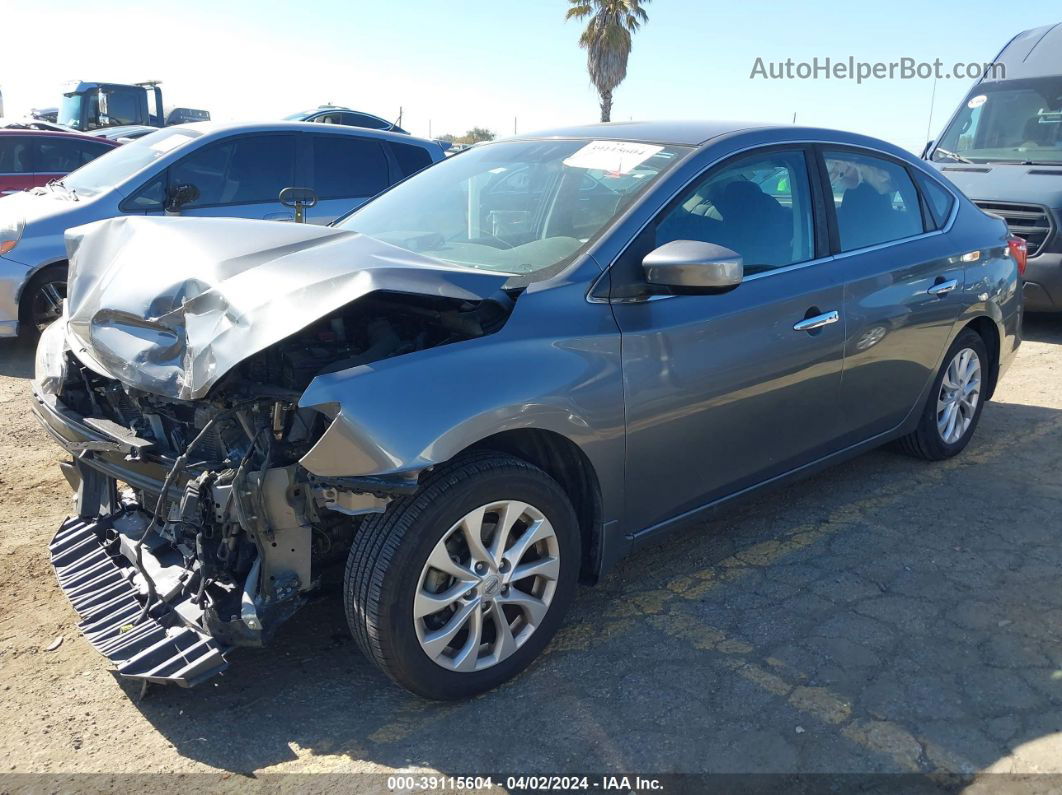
x=1042, y=327
x=16, y=357
x=887, y=615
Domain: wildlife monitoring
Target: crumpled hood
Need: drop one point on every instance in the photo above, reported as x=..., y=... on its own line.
x=169, y=305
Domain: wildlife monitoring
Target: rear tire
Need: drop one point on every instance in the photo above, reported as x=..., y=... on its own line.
x=42, y=300
x=955, y=401
x=427, y=604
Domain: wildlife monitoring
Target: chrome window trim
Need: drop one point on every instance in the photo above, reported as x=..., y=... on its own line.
x=795, y=266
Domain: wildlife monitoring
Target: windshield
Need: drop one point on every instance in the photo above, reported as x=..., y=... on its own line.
x=70, y=110
x=1018, y=121
x=519, y=207
x=121, y=163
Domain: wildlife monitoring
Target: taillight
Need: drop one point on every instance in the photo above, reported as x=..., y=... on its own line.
x=1019, y=249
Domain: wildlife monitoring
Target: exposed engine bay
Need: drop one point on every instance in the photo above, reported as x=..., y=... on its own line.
x=213, y=522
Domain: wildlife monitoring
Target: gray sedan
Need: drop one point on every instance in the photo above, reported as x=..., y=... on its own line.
x=498, y=378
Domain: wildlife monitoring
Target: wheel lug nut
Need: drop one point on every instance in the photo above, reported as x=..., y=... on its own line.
x=505, y=590
x=504, y=566
x=481, y=568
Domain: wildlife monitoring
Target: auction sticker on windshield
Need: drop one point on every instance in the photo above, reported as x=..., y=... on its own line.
x=617, y=157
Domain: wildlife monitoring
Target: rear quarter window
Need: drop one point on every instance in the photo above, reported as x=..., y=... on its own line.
x=940, y=201
x=411, y=159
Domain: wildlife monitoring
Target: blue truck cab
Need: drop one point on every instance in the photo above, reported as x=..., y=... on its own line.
x=1003, y=148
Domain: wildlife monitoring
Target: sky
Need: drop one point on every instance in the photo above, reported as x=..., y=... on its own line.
x=505, y=65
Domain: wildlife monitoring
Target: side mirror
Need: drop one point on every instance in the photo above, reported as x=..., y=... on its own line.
x=180, y=195
x=694, y=266
x=299, y=199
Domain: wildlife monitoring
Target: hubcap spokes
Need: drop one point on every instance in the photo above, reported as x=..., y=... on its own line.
x=48, y=304
x=959, y=395
x=486, y=586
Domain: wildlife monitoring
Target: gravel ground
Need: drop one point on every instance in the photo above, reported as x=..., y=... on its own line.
x=888, y=615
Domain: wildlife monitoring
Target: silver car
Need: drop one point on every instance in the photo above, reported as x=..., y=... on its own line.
x=235, y=170
x=498, y=378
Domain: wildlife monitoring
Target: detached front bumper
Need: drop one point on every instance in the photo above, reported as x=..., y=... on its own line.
x=160, y=600
x=91, y=562
x=94, y=554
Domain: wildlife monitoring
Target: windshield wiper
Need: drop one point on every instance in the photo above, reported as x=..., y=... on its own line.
x=53, y=183
x=956, y=157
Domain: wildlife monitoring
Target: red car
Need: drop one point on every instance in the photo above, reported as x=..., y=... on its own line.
x=29, y=158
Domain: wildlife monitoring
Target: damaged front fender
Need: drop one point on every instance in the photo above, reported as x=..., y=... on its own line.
x=397, y=417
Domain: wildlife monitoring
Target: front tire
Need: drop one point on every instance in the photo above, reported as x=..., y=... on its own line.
x=457, y=588
x=42, y=300
x=955, y=401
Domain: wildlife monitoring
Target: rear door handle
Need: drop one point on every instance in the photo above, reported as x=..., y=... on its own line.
x=943, y=288
x=818, y=321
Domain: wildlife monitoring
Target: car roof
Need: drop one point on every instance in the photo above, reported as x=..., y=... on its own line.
x=214, y=128
x=681, y=133
x=53, y=134
x=1032, y=53
x=341, y=109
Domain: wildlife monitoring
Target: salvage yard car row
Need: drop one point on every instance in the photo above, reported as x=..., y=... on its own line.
x=235, y=170
x=498, y=377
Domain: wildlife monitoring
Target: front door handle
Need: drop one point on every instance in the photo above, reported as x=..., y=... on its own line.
x=818, y=321
x=943, y=288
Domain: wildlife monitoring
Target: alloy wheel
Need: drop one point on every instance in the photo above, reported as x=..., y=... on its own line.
x=959, y=395
x=486, y=586
x=47, y=303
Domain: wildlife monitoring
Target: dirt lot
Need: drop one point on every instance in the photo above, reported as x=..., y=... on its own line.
x=889, y=615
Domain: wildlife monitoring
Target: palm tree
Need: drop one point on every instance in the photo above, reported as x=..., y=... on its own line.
x=607, y=41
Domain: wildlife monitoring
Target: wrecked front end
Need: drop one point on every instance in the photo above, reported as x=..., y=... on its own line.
x=201, y=520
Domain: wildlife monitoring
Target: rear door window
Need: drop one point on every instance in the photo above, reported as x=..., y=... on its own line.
x=345, y=166
x=875, y=199
x=246, y=170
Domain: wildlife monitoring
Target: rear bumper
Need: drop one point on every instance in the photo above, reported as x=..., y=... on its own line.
x=1043, y=283
x=104, y=587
